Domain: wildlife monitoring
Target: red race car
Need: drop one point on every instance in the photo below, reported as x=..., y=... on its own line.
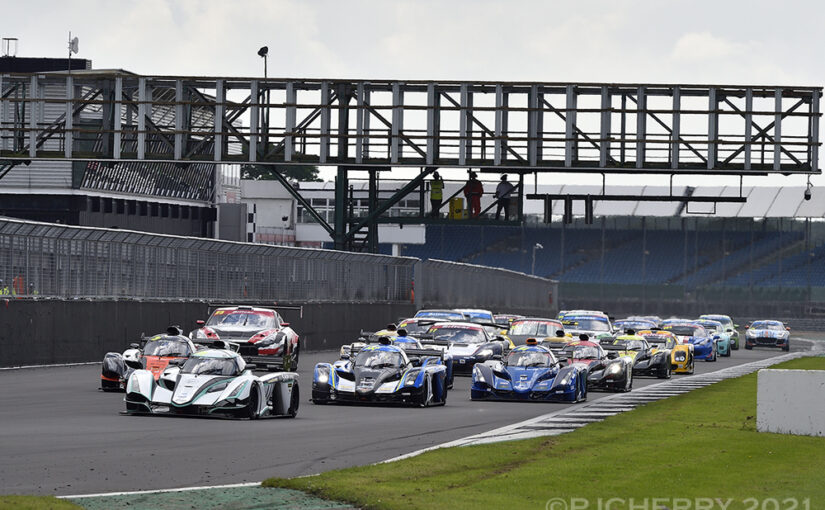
x=265, y=340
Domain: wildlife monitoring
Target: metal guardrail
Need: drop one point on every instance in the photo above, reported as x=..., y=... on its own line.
x=66, y=262
x=440, y=283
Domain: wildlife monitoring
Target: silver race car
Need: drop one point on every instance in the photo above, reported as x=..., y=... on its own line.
x=213, y=382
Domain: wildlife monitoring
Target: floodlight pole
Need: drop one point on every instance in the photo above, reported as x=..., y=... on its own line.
x=536, y=246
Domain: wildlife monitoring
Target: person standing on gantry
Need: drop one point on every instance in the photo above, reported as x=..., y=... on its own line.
x=473, y=191
x=503, y=192
x=436, y=194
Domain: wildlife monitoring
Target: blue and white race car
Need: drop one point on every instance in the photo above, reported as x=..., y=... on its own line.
x=704, y=346
x=213, y=382
x=383, y=373
x=529, y=373
x=768, y=334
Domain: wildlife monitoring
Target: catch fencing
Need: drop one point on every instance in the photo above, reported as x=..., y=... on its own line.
x=39, y=260
x=439, y=283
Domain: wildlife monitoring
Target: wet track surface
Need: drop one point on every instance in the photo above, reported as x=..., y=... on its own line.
x=59, y=435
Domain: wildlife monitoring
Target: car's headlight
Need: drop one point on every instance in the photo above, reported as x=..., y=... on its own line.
x=133, y=385
x=200, y=334
x=268, y=341
x=614, y=369
x=484, y=353
x=564, y=381
x=323, y=375
x=217, y=387
x=478, y=375
x=410, y=378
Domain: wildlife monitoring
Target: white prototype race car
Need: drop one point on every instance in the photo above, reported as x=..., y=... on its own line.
x=213, y=382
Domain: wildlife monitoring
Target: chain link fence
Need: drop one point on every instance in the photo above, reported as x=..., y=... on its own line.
x=67, y=262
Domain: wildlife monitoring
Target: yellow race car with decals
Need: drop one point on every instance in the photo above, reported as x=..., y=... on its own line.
x=681, y=354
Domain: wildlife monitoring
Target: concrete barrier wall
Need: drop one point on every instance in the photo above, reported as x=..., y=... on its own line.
x=45, y=331
x=791, y=402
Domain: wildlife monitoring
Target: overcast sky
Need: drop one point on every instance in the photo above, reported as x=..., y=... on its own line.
x=653, y=41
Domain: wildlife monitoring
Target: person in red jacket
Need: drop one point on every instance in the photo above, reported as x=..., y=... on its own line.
x=473, y=191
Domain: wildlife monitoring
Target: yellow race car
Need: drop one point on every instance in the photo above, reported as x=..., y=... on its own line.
x=681, y=354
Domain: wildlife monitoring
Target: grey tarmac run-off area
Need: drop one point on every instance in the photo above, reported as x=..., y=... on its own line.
x=61, y=436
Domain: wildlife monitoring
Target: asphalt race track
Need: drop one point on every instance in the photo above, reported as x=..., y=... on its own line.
x=59, y=435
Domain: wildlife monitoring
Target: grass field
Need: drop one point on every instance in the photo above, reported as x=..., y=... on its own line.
x=687, y=449
x=35, y=503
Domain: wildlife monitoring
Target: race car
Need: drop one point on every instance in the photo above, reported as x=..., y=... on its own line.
x=717, y=331
x=704, y=346
x=213, y=382
x=633, y=323
x=533, y=327
x=466, y=344
x=477, y=315
x=529, y=373
x=730, y=328
x=383, y=373
x=647, y=360
x=767, y=333
x=603, y=372
x=681, y=354
x=447, y=315
x=595, y=325
x=506, y=319
x=153, y=354
x=266, y=341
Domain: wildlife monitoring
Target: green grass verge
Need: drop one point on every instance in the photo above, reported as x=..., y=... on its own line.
x=702, y=444
x=36, y=503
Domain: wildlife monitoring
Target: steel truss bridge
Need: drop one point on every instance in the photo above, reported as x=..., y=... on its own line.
x=119, y=118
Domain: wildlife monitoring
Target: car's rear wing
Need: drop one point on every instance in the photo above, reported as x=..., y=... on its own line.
x=615, y=347
x=272, y=306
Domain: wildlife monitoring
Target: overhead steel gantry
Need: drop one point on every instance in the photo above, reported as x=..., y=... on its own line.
x=372, y=125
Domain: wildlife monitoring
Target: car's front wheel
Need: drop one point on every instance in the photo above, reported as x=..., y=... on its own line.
x=294, y=401
x=251, y=410
x=426, y=393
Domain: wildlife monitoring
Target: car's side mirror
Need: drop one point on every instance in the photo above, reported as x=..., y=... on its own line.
x=500, y=338
x=200, y=322
x=787, y=328
x=612, y=355
x=729, y=330
x=736, y=326
x=415, y=360
x=134, y=346
x=285, y=324
x=177, y=362
x=496, y=357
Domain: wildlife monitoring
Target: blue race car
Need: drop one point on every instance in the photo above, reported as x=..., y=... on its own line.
x=529, y=373
x=717, y=331
x=704, y=346
x=383, y=373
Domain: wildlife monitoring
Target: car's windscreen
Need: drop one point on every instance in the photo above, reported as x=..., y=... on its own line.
x=582, y=352
x=378, y=359
x=415, y=328
x=537, y=328
x=242, y=319
x=630, y=344
x=620, y=325
x=529, y=359
x=450, y=316
x=586, y=324
x=167, y=348
x=686, y=330
x=459, y=335
x=772, y=326
x=210, y=366
x=712, y=328
x=479, y=317
x=660, y=342
x=725, y=322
